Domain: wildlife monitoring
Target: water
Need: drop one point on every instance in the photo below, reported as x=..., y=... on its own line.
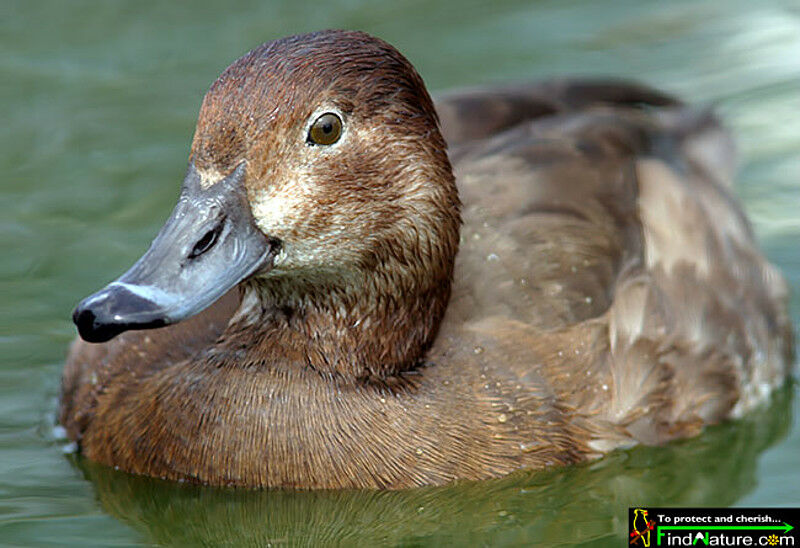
x=98, y=103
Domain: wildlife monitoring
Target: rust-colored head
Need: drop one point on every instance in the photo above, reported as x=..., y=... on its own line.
x=363, y=204
x=332, y=206
x=318, y=178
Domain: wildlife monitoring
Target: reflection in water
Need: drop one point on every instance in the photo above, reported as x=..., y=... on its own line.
x=578, y=504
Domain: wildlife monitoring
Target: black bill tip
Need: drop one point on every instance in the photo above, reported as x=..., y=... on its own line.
x=106, y=314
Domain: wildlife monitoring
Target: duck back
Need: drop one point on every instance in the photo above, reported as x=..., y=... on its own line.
x=602, y=243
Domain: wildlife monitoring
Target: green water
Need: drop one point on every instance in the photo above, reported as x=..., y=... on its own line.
x=97, y=107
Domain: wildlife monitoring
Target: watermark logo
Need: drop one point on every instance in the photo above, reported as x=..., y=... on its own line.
x=641, y=527
x=712, y=526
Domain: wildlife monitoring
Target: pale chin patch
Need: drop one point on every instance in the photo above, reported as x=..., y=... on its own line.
x=249, y=310
x=279, y=259
x=279, y=214
x=275, y=213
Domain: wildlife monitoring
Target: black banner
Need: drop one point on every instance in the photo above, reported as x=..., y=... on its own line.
x=713, y=527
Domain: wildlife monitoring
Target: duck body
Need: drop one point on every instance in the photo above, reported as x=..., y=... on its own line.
x=581, y=280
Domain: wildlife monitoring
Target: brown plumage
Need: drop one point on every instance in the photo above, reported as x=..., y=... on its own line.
x=606, y=287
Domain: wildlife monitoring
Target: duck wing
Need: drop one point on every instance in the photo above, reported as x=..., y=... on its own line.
x=603, y=247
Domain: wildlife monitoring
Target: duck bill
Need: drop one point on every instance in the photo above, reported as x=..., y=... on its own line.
x=208, y=245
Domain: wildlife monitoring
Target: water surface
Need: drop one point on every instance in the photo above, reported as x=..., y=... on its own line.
x=98, y=102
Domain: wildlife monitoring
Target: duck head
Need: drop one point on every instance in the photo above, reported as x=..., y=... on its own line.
x=318, y=181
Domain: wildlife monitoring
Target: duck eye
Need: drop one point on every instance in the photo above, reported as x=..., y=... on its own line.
x=325, y=130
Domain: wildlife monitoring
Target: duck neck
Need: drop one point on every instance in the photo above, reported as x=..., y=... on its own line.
x=366, y=324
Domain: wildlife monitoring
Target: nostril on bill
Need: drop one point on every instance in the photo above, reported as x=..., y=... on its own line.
x=206, y=242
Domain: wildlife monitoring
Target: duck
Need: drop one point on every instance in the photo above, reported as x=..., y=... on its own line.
x=363, y=288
